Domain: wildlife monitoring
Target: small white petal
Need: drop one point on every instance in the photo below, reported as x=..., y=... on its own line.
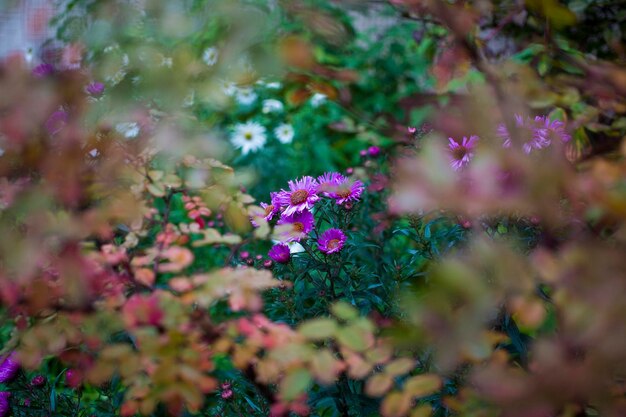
x=272, y=105
x=246, y=96
x=210, y=56
x=284, y=133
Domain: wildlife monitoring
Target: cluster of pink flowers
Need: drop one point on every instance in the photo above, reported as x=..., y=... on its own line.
x=293, y=207
x=537, y=133
x=8, y=370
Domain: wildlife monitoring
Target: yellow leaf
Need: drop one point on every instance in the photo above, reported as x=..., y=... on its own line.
x=355, y=338
x=422, y=411
x=344, y=311
x=421, y=385
x=378, y=384
x=325, y=366
x=318, y=329
x=400, y=366
x=379, y=354
x=396, y=404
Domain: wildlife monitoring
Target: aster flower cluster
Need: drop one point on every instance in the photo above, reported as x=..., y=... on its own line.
x=538, y=133
x=293, y=209
x=8, y=370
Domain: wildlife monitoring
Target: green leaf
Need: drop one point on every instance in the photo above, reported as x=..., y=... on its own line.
x=295, y=383
x=318, y=329
x=344, y=311
x=355, y=338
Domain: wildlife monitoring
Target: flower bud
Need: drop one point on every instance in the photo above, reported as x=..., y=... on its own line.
x=38, y=381
x=227, y=394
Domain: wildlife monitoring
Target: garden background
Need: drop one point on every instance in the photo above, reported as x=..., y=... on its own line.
x=313, y=207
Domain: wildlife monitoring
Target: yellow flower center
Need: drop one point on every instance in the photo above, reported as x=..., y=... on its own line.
x=299, y=197
x=459, y=153
x=247, y=136
x=298, y=227
x=344, y=192
x=333, y=244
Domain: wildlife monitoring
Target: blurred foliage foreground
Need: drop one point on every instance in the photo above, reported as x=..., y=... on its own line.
x=240, y=208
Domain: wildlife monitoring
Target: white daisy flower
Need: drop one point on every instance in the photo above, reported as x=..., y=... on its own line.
x=246, y=96
x=249, y=137
x=275, y=85
x=295, y=247
x=210, y=56
x=272, y=106
x=284, y=133
x=318, y=99
x=130, y=130
x=229, y=88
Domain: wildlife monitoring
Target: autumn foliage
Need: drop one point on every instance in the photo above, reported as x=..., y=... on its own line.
x=319, y=208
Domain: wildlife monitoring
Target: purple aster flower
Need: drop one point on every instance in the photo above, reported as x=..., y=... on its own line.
x=347, y=191
x=4, y=403
x=301, y=225
x=8, y=368
x=280, y=253
x=331, y=241
x=329, y=181
x=533, y=134
x=56, y=121
x=301, y=196
x=43, y=70
x=461, y=153
x=555, y=129
x=270, y=209
x=95, y=89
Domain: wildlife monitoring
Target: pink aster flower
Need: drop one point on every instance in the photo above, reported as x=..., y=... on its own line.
x=533, y=134
x=272, y=208
x=9, y=368
x=329, y=181
x=56, y=121
x=280, y=253
x=43, y=70
x=301, y=225
x=302, y=195
x=347, y=191
x=4, y=403
x=269, y=209
x=461, y=153
x=331, y=241
x=555, y=129
x=95, y=89
x=373, y=151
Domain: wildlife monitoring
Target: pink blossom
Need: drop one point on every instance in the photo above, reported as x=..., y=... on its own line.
x=461, y=153
x=302, y=195
x=331, y=241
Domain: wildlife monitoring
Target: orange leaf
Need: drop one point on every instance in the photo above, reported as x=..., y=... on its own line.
x=378, y=384
x=396, y=404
